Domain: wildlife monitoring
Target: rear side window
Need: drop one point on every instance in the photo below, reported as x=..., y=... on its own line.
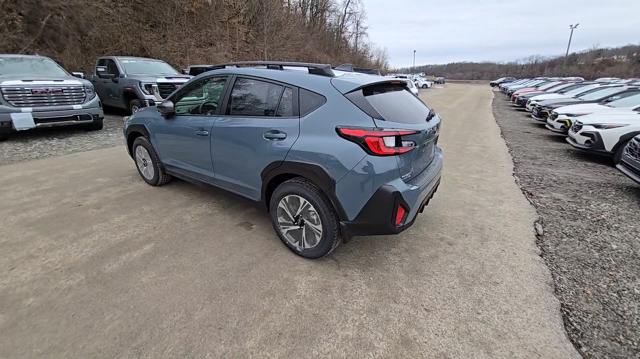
x=251, y=97
x=310, y=101
x=394, y=102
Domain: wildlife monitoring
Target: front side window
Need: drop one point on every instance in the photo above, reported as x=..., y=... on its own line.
x=600, y=93
x=112, y=68
x=251, y=97
x=201, y=98
x=630, y=101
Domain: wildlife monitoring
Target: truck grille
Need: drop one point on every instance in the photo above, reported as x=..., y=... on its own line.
x=166, y=89
x=633, y=149
x=44, y=96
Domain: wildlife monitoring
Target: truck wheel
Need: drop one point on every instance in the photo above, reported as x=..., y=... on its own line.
x=304, y=219
x=96, y=125
x=148, y=162
x=135, y=106
x=3, y=137
x=425, y=86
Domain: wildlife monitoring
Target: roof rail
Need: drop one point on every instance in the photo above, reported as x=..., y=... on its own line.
x=351, y=68
x=315, y=69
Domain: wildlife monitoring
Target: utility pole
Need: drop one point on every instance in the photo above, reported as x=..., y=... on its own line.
x=413, y=69
x=571, y=27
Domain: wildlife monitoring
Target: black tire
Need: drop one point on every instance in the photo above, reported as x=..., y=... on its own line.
x=159, y=177
x=330, y=238
x=96, y=125
x=617, y=157
x=3, y=137
x=425, y=86
x=134, y=106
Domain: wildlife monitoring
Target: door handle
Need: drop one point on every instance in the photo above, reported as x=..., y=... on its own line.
x=274, y=135
x=202, y=133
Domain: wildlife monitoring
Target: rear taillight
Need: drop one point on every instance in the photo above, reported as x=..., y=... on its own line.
x=378, y=142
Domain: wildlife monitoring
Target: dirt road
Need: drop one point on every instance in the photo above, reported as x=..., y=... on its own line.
x=98, y=264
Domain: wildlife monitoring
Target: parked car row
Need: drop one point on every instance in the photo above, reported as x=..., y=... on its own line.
x=600, y=116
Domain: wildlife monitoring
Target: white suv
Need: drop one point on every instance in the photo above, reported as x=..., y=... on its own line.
x=561, y=119
x=605, y=132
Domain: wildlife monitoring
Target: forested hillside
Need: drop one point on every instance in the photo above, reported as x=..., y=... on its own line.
x=182, y=32
x=621, y=62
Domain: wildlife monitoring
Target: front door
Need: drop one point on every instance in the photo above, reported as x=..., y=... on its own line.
x=259, y=127
x=184, y=140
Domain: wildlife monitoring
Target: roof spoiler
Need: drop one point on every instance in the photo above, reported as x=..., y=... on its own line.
x=362, y=70
x=315, y=69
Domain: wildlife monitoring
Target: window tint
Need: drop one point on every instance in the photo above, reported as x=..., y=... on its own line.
x=396, y=104
x=251, y=97
x=112, y=68
x=285, y=109
x=310, y=101
x=201, y=97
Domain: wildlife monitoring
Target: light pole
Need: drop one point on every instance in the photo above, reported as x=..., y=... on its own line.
x=414, y=61
x=572, y=27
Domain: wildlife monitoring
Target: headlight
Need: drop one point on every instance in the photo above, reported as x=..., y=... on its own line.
x=607, y=126
x=89, y=91
x=148, y=87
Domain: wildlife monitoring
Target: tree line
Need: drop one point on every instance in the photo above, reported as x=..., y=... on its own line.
x=623, y=62
x=183, y=32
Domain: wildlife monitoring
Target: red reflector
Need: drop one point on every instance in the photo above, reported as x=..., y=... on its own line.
x=400, y=213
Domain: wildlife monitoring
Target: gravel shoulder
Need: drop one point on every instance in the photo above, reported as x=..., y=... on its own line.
x=591, y=233
x=47, y=142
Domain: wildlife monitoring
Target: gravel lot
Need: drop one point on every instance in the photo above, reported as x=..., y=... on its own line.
x=589, y=214
x=57, y=141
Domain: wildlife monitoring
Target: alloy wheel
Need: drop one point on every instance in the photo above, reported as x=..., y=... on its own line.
x=299, y=222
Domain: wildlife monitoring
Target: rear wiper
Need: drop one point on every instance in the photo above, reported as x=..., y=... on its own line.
x=430, y=115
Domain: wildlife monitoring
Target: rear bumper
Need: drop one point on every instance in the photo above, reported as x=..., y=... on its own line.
x=377, y=217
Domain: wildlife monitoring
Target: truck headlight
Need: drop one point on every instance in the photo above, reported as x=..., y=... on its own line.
x=89, y=92
x=148, y=87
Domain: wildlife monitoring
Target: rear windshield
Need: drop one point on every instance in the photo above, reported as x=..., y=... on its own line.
x=395, y=103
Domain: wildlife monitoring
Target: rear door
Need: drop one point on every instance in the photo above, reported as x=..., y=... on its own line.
x=259, y=126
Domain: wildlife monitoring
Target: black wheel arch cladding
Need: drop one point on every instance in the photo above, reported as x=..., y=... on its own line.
x=281, y=171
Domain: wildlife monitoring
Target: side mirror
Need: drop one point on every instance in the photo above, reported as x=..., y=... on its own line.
x=102, y=73
x=166, y=108
x=78, y=74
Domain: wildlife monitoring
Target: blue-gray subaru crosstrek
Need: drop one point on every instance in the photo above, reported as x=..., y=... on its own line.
x=332, y=154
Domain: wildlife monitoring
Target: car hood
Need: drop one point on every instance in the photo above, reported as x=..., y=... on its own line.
x=25, y=80
x=583, y=108
x=615, y=116
x=160, y=78
x=548, y=96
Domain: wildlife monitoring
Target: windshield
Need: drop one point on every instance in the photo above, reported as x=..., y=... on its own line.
x=580, y=90
x=30, y=66
x=630, y=101
x=549, y=85
x=147, y=67
x=595, y=95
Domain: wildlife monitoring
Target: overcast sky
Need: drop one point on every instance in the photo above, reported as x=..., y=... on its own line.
x=496, y=30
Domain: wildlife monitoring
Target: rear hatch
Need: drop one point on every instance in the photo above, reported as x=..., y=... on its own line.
x=393, y=106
